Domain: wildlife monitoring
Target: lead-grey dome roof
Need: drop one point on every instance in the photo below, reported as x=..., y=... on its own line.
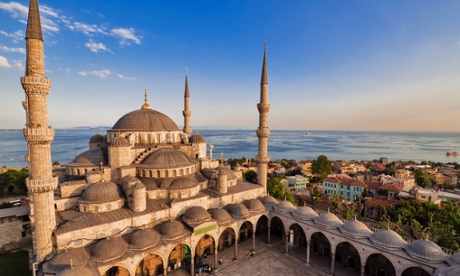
x=448, y=271
x=426, y=250
x=268, y=200
x=454, y=259
x=120, y=142
x=79, y=257
x=238, y=211
x=220, y=215
x=97, y=139
x=196, y=215
x=143, y=239
x=102, y=192
x=197, y=139
x=304, y=213
x=183, y=183
x=76, y=271
x=91, y=158
x=171, y=230
x=145, y=119
x=387, y=239
x=328, y=220
x=284, y=206
x=108, y=249
x=254, y=205
x=355, y=229
x=167, y=158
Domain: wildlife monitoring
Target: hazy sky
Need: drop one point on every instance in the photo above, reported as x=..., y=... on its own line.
x=351, y=65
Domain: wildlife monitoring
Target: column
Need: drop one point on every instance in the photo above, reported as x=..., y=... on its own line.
x=253, y=240
x=215, y=256
x=236, y=250
x=363, y=268
x=286, y=242
x=332, y=263
x=165, y=268
x=192, y=263
x=308, y=251
x=268, y=234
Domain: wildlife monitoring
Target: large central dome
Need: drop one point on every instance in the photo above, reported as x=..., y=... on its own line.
x=145, y=119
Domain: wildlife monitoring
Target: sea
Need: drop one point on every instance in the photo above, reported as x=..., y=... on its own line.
x=282, y=144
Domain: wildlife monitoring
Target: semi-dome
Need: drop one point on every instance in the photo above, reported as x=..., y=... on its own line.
x=142, y=239
x=76, y=271
x=448, y=271
x=96, y=139
x=196, y=215
x=284, y=206
x=171, y=230
x=454, y=259
x=268, y=200
x=167, y=158
x=304, y=213
x=108, y=249
x=120, y=142
x=145, y=119
x=388, y=239
x=102, y=192
x=355, y=229
x=328, y=220
x=92, y=158
x=238, y=211
x=425, y=250
x=254, y=205
x=79, y=257
x=220, y=215
x=182, y=183
x=197, y=139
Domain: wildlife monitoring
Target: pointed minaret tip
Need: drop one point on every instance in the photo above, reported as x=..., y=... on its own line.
x=146, y=104
x=187, y=91
x=34, y=27
x=264, y=79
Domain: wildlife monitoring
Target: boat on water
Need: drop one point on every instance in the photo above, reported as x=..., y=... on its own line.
x=451, y=153
x=308, y=133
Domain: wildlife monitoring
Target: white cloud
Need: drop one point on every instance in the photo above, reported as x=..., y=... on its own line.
x=4, y=63
x=17, y=35
x=12, y=50
x=15, y=9
x=100, y=74
x=18, y=65
x=126, y=78
x=87, y=29
x=96, y=47
x=126, y=35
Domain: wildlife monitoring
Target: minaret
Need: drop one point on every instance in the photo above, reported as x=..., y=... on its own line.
x=262, y=131
x=39, y=135
x=187, y=112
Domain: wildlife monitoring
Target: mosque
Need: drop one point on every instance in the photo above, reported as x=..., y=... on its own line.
x=147, y=197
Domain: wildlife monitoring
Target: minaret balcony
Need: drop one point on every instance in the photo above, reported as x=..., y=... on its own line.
x=187, y=113
x=262, y=159
x=40, y=135
x=41, y=185
x=36, y=85
x=263, y=107
x=263, y=132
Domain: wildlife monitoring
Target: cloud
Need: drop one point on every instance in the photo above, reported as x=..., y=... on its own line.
x=15, y=9
x=126, y=35
x=4, y=63
x=17, y=35
x=100, y=74
x=87, y=29
x=12, y=50
x=96, y=47
x=126, y=78
x=18, y=65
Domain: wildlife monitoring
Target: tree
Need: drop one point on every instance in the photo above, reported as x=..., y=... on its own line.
x=422, y=179
x=322, y=167
x=13, y=181
x=349, y=212
x=315, y=195
x=251, y=176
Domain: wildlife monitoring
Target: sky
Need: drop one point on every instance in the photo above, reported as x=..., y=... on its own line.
x=333, y=65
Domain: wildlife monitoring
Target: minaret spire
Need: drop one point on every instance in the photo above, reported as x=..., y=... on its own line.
x=263, y=131
x=187, y=112
x=146, y=104
x=39, y=135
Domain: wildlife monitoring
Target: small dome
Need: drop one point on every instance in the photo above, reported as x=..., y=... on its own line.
x=425, y=250
x=268, y=200
x=76, y=271
x=328, y=220
x=448, y=271
x=220, y=215
x=197, y=139
x=238, y=211
x=96, y=139
x=108, y=249
x=454, y=259
x=167, y=158
x=120, y=142
x=388, y=239
x=355, y=229
x=304, y=213
x=254, y=205
x=79, y=257
x=172, y=230
x=183, y=183
x=196, y=215
x=145, y=119
x=284, y=206
x=143, y=239
x=91, y=158
x=102, y=192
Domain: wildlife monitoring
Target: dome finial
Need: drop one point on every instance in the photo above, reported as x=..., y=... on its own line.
x=146, y=104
